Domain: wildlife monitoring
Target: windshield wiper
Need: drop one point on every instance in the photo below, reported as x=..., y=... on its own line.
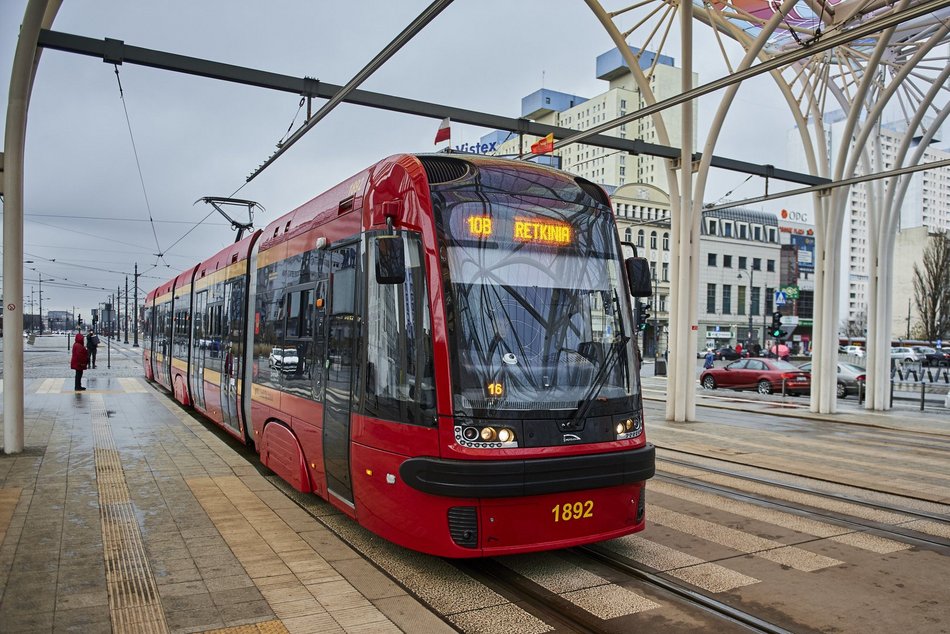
x=598, y=381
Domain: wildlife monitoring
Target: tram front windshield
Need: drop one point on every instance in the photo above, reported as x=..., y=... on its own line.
x=537, y=312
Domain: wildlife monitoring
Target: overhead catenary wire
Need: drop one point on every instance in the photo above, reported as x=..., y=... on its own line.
x=138, y=163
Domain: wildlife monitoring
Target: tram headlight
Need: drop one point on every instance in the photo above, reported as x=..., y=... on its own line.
x=506, y=435
x=488, y=434
x=470, y=433
x=629, y=428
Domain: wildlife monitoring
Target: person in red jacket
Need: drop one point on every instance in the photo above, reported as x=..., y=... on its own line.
x=79, y=361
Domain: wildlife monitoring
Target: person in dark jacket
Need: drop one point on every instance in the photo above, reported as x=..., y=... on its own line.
x=92, y=343
x=79, y=361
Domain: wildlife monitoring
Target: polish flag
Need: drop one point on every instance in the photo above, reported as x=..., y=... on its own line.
x=444, y=133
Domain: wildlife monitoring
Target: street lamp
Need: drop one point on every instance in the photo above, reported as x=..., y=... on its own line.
x=751, y=275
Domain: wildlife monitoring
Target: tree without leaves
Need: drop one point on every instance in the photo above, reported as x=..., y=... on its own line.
x=932, y=287
x=856, y=327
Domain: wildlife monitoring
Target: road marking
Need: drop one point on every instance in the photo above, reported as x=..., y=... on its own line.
x=131, y=385
x=700, y=573
x=588, y=591
x=790, y=521
x=741, y=541
x=51, y=386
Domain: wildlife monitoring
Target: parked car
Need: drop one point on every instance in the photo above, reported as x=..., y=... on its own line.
x=854, y=351
x=931, y=356
x=850, y=378
x=764, y=375
x=726, y=352
x=284, y=359
x=903, y=354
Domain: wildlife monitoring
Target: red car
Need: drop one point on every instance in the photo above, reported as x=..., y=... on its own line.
x=764, y=375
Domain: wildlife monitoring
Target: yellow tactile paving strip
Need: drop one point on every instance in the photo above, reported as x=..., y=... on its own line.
x=302, y=588
x=134, y=602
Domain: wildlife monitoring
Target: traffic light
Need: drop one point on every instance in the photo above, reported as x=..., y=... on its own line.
x=776, y=330
x=643, y=315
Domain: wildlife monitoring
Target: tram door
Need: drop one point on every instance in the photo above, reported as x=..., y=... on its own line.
x=342, y=326
x=233, y=350
x=199, y=350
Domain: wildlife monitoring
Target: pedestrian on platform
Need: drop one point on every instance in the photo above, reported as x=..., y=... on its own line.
x=92, y=344
x=79, y=361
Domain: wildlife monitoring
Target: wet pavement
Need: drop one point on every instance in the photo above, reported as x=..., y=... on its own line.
x=126, y=514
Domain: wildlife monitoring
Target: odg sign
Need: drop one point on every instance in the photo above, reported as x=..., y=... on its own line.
x=795, y=216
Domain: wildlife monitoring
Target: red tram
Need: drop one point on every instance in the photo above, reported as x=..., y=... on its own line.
x=441, y=346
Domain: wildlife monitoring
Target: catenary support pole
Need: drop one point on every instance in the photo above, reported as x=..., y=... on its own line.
x=135, y=306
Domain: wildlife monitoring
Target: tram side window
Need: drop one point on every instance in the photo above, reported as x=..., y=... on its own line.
x=164, y=328
x=181, y=334
x=200, y=322
x=147, y=327
x=266, y=310
x=213, y=314
x=399, y=370
x=296, y=369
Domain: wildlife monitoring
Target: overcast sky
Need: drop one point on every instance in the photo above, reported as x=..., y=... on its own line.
x=84, y=202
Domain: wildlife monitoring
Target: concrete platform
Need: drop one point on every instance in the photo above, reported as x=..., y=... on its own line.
x=125, y=514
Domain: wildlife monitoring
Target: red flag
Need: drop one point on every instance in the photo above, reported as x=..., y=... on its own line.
x=444, y=133
x=543, y=146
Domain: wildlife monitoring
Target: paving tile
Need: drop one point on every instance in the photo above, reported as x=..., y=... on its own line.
x=193, y=620
x=322, y=623
x=367, y=579
x=234, y=596
x=230, y=582
x=406, y=613
x=86, y=619
x=181, y=589
x=26, y=621
x=356, y=616
x=75, y=600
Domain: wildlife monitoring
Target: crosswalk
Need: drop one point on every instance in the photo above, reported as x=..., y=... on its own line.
x=119, y=385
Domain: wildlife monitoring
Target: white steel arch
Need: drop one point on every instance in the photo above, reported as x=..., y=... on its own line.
x=862, y=77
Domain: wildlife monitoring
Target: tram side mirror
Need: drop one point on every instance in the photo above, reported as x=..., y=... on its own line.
x=638, y=275
x=390, y=260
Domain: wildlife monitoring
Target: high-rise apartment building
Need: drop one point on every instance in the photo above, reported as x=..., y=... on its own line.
x=926, y=204
x=601, y=165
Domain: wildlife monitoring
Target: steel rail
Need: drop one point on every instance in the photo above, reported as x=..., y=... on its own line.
x=800, y=489
x=719, y=608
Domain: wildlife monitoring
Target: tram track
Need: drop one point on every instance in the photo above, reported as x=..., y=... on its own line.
x=682, y=592
x=911, y=536
x=560, y=613
x=522, y=591
x=856, y=500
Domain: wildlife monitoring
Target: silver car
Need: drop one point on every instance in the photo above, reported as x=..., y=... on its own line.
x=850, y=378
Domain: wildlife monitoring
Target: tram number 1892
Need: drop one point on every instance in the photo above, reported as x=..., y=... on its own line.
x=567, y=512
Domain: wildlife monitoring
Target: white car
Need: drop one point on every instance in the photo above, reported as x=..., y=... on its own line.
x=283, y=359
x=854, y=351
x=903, y=354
